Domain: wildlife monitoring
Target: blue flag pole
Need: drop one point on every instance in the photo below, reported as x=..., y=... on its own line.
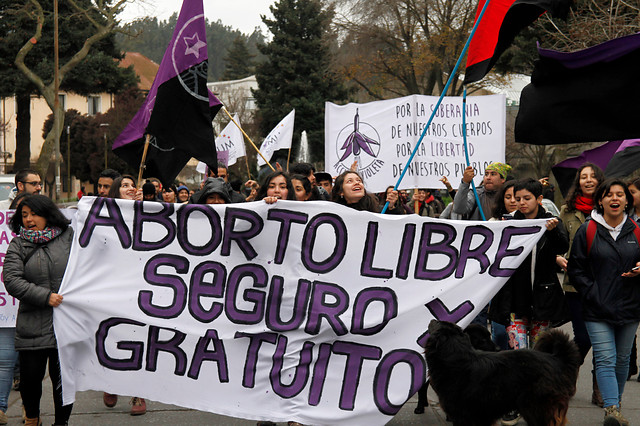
x=466, y=150
x=435, y=109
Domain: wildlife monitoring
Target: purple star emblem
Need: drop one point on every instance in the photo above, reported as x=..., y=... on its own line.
x=194, y=45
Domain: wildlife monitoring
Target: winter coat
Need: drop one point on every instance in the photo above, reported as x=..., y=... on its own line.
x=212, y=186
x=573, y=220
x=542, y=300
x=606, y=295
x=33, y=284
x=464, y=203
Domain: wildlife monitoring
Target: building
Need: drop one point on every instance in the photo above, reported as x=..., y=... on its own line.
x=90, y=105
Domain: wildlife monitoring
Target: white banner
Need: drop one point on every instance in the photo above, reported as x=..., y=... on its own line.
x=8, y=304
x=279, y=138
x=382, y=135
x=231, y=140
x=311, y=312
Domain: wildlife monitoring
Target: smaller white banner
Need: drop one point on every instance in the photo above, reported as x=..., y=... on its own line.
x=279, y=138
x=231, y=140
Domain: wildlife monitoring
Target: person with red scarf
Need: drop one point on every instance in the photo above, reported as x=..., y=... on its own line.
x=574, y=213
x=428, y=204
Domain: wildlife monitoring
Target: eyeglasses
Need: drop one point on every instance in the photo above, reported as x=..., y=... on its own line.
x=34, y=183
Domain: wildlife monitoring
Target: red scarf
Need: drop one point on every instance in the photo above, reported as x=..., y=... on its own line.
x=584, y=204
x=429, y=200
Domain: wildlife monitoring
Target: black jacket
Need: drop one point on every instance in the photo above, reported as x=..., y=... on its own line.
x=542, y=300
x=606, y=295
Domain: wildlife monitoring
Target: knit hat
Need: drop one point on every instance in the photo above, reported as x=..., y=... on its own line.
x=181, y=187
x=502, y=169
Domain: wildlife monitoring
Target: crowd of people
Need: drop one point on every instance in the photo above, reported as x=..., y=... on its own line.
x=594, y=238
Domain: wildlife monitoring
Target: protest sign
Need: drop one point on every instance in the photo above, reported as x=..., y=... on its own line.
x=231, y=141
x=382, y=135
x=8, y=304
x=311, y=312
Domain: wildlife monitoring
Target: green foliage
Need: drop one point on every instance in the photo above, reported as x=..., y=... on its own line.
x=297, y=73
x=590, y=22
x=153, y=36
x=239, y=62
x=392, y=48
x=98, y=73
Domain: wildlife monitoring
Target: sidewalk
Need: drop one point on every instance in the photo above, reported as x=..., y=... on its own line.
x=89, y=409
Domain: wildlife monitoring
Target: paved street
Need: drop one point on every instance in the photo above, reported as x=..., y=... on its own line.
x=89, y=409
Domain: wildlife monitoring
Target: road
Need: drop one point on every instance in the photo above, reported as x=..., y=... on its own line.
x=89, y=409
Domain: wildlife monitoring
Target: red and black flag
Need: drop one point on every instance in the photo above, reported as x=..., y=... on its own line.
x=179, y=109
x=500, y=24
x=586, y=96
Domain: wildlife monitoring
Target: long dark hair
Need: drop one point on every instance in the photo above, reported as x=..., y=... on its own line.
x=264, y=186
x=114, y=191
x=309, y=189
x=603, y=189
x=500, y=209
x=575, y=191
x=369, y=202
x=42, y=206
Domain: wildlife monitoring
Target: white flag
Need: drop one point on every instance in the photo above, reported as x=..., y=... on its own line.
x=279, y=138
x=231, y=140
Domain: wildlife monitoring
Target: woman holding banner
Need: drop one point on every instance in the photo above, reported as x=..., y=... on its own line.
x=124, y=188
x=349, y=191
x=276, y=186
x=33, y=269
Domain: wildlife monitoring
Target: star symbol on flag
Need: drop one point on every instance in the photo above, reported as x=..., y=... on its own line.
x=194, y=45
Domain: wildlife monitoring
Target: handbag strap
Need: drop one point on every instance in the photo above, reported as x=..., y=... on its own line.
x=31, y=253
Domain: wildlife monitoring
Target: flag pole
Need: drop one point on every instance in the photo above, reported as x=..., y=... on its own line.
x=144, y=159
x=437, y=105
x=288, y=158
x=246, y=160
x=466, y=151
x=248, y=138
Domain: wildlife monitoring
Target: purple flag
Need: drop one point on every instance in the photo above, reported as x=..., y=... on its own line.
x=616, y=158
x=586, y=96
x=179, y=108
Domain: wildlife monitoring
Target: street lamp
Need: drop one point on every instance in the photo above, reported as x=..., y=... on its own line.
x=105, y=125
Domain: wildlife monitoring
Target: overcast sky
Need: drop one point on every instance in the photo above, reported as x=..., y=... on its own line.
x=239, y=14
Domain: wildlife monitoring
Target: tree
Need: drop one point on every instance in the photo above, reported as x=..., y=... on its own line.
x=402, y=47
x=590, y=22
x=297, y=72
x=88, y=135
x=239, y=62
x=151, y=37
x=86, y=50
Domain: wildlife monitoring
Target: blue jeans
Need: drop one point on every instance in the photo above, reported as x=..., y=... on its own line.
x=611, y=349
x=8, y=356
x=499, y=335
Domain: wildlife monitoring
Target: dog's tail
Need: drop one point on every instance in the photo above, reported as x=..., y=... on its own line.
x=560, y=345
